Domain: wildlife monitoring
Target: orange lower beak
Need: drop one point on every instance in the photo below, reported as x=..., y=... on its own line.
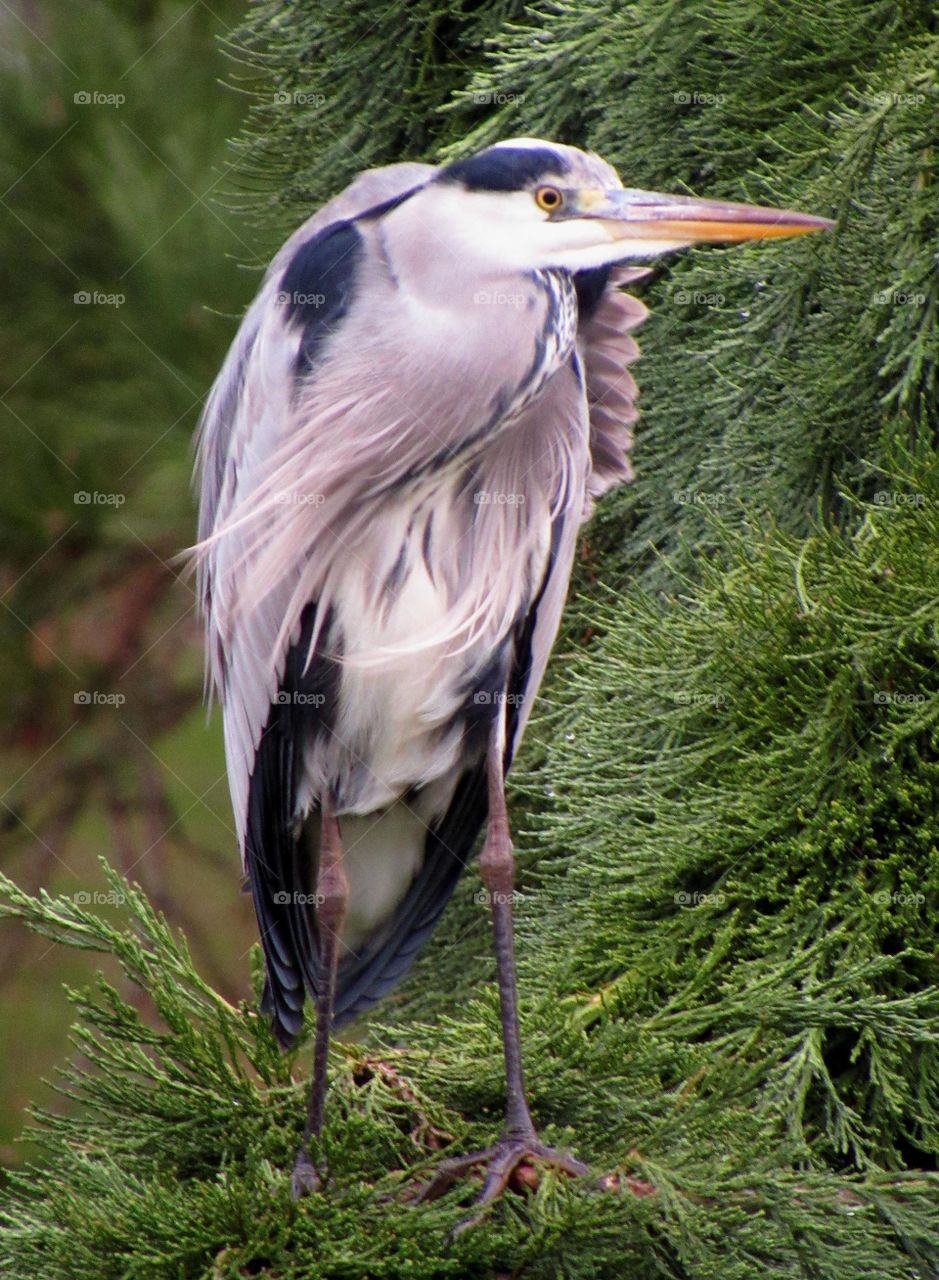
x=629, y=214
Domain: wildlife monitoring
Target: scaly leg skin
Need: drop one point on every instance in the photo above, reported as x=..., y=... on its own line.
x=519, y=1144
x=332, y=892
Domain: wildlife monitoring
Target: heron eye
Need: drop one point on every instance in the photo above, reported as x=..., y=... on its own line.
x=549, y=199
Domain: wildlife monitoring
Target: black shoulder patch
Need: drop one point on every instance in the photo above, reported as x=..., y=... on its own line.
x=317, y=286
x=589, y=286
x=505, y=168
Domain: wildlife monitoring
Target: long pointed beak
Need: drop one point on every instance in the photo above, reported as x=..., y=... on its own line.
x=630, y=214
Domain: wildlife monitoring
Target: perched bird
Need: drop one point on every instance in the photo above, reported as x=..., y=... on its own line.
x=412, y=423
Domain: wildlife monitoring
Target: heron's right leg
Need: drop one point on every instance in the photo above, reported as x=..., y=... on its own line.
x=332, y=893
x=519, y=1144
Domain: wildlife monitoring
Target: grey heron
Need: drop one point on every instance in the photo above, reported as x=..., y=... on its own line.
x=413, y=421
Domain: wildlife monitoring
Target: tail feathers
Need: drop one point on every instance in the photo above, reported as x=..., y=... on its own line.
x=285, y=1010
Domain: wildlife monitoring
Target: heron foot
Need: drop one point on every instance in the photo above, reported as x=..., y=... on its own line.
x=508, y=1164
x=306, y=1179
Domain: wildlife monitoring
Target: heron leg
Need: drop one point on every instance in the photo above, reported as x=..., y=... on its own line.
x=332, y=892
x=497, y=869
x=519, y=1144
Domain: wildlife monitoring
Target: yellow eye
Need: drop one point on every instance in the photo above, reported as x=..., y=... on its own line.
x=549, y=199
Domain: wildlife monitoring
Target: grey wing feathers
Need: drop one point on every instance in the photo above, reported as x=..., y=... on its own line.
x=215, y=430
x=606, y=345
x=245, y=420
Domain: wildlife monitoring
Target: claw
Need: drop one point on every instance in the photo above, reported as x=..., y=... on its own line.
x=509, y=1163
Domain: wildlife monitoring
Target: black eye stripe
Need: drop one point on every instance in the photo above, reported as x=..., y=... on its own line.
x=505, y=168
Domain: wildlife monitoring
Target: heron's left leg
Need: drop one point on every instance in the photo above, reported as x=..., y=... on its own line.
x=519, y=1143
x=332, y=893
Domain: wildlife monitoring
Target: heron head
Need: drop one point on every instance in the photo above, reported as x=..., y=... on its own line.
x=526, y=204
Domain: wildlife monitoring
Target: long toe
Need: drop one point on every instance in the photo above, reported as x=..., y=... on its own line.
x=513, y=1165
x=451, y=1170
x=510, y=1163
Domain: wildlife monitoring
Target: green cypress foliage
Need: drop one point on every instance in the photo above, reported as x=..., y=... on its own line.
x=726, y=810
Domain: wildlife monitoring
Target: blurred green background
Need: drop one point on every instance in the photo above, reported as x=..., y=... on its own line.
x=124, y=274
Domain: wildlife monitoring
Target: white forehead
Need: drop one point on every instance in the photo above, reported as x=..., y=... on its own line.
x=587, y=169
